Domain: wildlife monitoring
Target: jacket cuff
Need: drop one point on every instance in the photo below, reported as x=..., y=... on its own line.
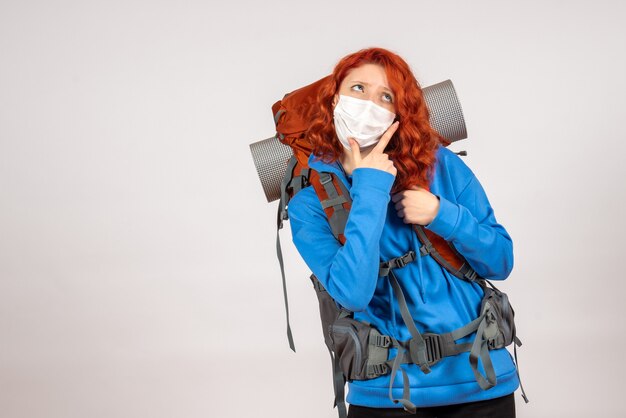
x=372, y=179
x=446, y=220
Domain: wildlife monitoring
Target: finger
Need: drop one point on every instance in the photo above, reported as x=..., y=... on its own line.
x=397, y=197
x=401, y=213
x=356, y=150
x=384, y=140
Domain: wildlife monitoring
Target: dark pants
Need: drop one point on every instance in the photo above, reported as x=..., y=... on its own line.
x=503, y=407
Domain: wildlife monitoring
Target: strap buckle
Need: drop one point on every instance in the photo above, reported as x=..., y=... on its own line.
x=470, y=275
x=426, y=248
x=395, y=263
x=377, y=369
x=325, y=178
x=433, y=347
x=405, y=259
x=400, y=262
x=383, y=341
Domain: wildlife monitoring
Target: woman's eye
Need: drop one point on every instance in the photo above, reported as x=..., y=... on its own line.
x=358, y=87
x=387, y=97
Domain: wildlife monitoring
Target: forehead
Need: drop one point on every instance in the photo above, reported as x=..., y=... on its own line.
x=372, y=74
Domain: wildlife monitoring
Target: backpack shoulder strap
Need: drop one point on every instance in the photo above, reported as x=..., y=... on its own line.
x=445, y=254
x=336, y=202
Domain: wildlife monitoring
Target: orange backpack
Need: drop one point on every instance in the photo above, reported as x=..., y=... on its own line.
x=292, y=116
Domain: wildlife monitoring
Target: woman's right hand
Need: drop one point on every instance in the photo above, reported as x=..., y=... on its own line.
x=376, y=157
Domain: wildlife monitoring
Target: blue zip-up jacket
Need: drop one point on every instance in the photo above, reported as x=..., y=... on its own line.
x=438, y=301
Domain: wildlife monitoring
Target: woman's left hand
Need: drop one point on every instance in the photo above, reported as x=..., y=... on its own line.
x=416, y=206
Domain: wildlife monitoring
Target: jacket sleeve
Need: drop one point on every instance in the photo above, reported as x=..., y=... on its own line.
x=470, y=225
x=349, y=272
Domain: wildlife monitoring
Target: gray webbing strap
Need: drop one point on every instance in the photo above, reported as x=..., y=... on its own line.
x=394, y=263
x=449, y=347
x=417, y=346
x=282, y=215
x=279, y=254
x=339, y=386
x=339, y=200
x=467, y=329
x=480, y=348
x=277, y=116
x=344, y=190
x=339, y=217
x=405, y=401
x=516, y=343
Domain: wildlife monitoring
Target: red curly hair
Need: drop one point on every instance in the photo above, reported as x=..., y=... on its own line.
x=413, y=146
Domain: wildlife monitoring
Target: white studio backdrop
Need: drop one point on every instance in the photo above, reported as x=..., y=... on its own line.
x=138, y=275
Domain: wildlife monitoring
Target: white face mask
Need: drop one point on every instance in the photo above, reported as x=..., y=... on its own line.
x=363, y=120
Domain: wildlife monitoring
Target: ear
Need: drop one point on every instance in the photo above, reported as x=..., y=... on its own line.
x=335, y=100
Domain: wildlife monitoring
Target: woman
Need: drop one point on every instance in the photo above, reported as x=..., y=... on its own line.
x=399, y=174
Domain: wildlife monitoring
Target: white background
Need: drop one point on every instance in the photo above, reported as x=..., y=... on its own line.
x=137, y=265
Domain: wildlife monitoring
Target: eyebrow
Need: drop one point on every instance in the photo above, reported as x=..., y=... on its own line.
x=368, y=84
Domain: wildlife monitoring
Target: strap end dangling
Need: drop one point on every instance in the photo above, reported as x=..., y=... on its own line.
x=292, y=345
